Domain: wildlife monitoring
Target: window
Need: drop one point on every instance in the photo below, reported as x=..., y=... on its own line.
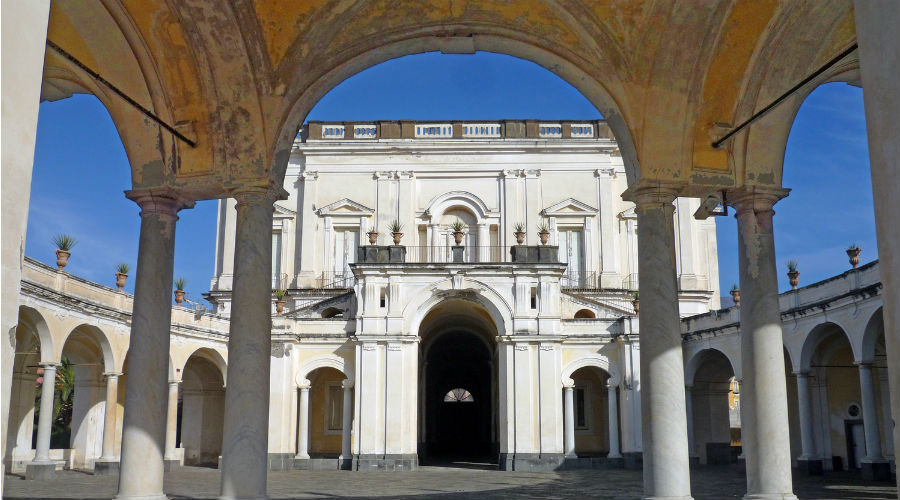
x=571, y=251
x=581, y=420
x=459, y=395
x=276, y=261
x=345, y=243
x=334, y=417
x=382, y=301
x=534, y=297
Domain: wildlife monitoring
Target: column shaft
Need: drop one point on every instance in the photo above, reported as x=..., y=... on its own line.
x=614, y=451
x=303, y=432
x=245, y=433
x=172, y=422
x=347, y=420
x=144, y=421
x=689, y=413
x=764, y=429
x=870, y=413
x=109, y=417
x=807, y=444
x=663, y=419
x=45, y=418
x=570, y=420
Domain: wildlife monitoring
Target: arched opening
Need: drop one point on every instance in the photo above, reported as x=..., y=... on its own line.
x=584, y=314
x=458, y=385
x=874, y=350
x=201, y=410
x=591, y=409
x=326, y=411
x=715, y=409
x=25, y=395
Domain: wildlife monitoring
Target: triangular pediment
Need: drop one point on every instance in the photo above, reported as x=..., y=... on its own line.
x=628, y=214
x=283, y=212
x=569, y=206
x=345, y=206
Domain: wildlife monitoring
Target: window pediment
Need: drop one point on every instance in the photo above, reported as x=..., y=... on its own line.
x=345, y=207
x=569, y=207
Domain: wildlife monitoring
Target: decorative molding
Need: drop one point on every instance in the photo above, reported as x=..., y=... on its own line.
x=577, y=208
x=351, y=208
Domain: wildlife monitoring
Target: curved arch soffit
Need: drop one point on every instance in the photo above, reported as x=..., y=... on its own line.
x=324, y=361
x=874, y=329
x=441, y=203
x=696, y=361
x=590, y=361
x=814, y=339
x=208, y=353
x=486, y=40
x=467, y=289
x=100, y=337
x=34, y=320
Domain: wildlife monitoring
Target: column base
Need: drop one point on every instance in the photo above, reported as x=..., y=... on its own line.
x=389, y=462
x=634, y=460
x=319, y=463
x=876, y=470
x=106, y=467
x=570, y=463
x=531, y=461
x=40, y=471
x=810, y=466
x=171, y=464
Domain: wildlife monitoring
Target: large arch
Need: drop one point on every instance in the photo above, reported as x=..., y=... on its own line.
x=815, y=337
x=497, y=307
x=202, y=407
x=333, y=361
x=715, y=422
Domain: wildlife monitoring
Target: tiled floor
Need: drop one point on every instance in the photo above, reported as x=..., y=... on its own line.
x=450, y=483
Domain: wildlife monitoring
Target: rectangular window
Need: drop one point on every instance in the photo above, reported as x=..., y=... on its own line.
x=534, y=297
x=580, y=408
x=335, y=405
x=276, y=261
x=571, y=252
x=382, y=302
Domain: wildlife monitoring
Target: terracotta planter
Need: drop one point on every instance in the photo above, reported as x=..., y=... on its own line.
x=62, y=258
x=373, y=237
x=637, y=306
x=736, y=296
x=179, y=296
x=520, y=237
x=397, y=237
x=794, y=277
x=458, y=236
x=544, y=238
x=279, y=306
x=120, y=280
x=853, y=253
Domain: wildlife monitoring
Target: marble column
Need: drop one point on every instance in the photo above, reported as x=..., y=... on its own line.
x=765, y=433
x=484, y=242
x=807, y=444
x=144, y=421
x=874, y=466
x=614, y=451
x=876, y=29
x=45, y=418
x=303, y=428
x=689, y=413
x=109, y=417
x=663, y=418
x=346, y=423
x=245, y=435
x=172, y=423
x=569, y=391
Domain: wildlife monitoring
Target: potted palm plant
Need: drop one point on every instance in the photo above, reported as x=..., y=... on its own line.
x=179, y=290
x=636, y=302
x=64, y=244
x=519, y=231
x=396, y=231
x=543, y=232
x=458, y=228
x=736, y=294
x=373, y=236
x=793, y=274
x=279, y=300
x=121, y=275
x=853, y=252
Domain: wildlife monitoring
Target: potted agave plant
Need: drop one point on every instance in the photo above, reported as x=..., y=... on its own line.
x=636, y=302
x=179, y=290
x=736, y=294
x=519, y=231
x=458, y=228
x=396, y=231
x=64, y=244
x=279, y=300
x=543, y=232
x=793, y=274
x=373, y=236
x=121, y=275
x=853, y=252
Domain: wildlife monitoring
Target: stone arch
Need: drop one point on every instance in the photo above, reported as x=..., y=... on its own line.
x=415, y=40
x=874, y=329
x=600, y=362
x=208, y=353
x=696, y=362
x=468, y=289
x=584, y=314
x=33, y=319
x=448, y=201
x=201, y=409
x=100, y=338
x=814, y=338
x=334, y=361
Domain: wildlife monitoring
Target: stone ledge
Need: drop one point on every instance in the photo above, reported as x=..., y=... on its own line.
x=531, y=461
x=390, y=462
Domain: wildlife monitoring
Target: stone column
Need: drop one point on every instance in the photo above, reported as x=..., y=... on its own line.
x=109, y=417
x=569, y=390
x=807, y=461
x=614, y=451
x=171, y=456
x=876, y=28
x=42, y=467
x=765, y=432
x=144, y=422
x=663, y=418
x=484, y=242
x=303, y=428
x=689, y=413
x=874, y=466
x=245, y=434
x=347, y=424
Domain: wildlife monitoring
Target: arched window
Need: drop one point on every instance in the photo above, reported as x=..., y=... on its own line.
x=584, y=313
x=459, y=395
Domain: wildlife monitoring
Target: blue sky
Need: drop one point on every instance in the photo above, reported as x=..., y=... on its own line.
x=81, y=170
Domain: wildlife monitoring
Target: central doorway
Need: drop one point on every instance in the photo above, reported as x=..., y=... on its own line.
x=458, y=389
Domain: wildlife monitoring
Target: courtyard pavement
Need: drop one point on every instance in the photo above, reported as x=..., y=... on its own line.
x=449, y=483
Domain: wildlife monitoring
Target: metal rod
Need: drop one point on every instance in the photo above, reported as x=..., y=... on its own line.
x=96, y=76
x=784, y=96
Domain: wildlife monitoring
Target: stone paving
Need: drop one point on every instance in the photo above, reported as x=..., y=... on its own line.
x=449, y=483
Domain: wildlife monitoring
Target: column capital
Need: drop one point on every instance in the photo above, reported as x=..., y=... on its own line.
x=49, y=365
x=568, y=384
x=653, y=193
x=347, y=384
x=112, y=374
x=258, y=193
x=863, y=365
x=303, y=384
x=174, y=381
x=162, y=200
x=755, y=198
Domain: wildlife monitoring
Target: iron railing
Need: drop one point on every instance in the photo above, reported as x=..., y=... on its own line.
x=579, y=280
x=333, y=280
x=465, y=254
